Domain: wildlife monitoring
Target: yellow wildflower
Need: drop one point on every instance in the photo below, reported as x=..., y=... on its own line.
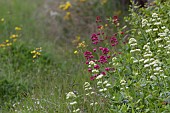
x=9, y=44
x=34, y=56
x=6, y=41
x=81, y=44
x=13, y=36
x=17, y=28
x=33, y=51
x=67, y=16
x=65, y=6
x=2, y=19
x=76, y=52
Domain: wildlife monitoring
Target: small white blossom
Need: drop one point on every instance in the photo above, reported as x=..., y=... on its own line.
x=107, y=85
x=148, y=30
x=155, y=29
x=161, y=34
x=163, y=27
x=147, y=60
x=158, y=39
x=91, y=62
x=73, y=103
x=157, y=23
x=105, y=82
x=70, y=95
x=154, y=15
x=86, y=84
x=99, y=82
x=132, y=40
x=146, y=65
x=76, y=110
x=100, y=76
x=153, y=77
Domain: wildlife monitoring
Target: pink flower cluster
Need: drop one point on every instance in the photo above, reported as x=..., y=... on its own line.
x=98, y=60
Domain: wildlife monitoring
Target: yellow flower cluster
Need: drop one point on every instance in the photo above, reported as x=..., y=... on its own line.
x=36, y=53
x=81, y=44
x=12, y=38
x=67, y=16
x=65, y=6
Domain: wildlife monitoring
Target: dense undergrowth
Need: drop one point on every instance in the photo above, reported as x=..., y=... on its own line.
x=122, y=67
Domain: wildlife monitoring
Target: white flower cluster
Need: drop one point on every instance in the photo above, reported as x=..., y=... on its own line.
x=103, y=85
x=153, y=23
x=134, y=49
x=92, y=64
x=70, y=95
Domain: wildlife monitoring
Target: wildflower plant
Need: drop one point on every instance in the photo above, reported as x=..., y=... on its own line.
x=130, y=73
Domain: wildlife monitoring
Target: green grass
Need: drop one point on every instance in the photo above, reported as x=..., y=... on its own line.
x=50, y=77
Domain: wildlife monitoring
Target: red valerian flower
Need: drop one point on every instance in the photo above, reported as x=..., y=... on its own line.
x=113, y=41
x=103, y=59
x=107, y=69
x=98, y=19
x=94, y=38
x=96, y=66
x=88, y=55
x=105, y=50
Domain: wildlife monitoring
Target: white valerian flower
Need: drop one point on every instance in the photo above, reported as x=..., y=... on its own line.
x=73, y=103
x=90, y=88
x=141, y=60
x=157, y=23
x=134, y=44
x=101, y=90
x=86, y=84
x=132, y=51
x=91, y=62
x=135, y=61
x=87, y=94
x=155, y=29
x=166, y=30
x=107, y=85
x=160, y=45
x=105, y=89
x=157, y=69
x=70, y=95
x=147, y=60
x=147, y=55
x=89, y=66
x=132, y=40
x=166, y=38
x=74, y=111
x=99, y=76
x=154, y=15
x=91, y=104
x=86, y=89
x=105, y=82
x=95, y=71
x=153, y=77
x=144, y=22
x=148, y=30
x=146, y=65
x=92, y=92
x=99, y=82
x=153, y=20
x=163, y=27
x=138, y=50
x=161, y=34
x=158, y=39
